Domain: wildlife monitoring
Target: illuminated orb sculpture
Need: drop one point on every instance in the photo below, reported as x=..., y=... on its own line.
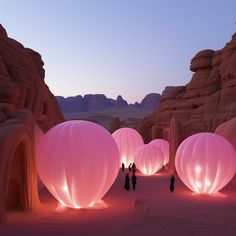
x=148, y=159
x=127, y=140
x=165, y=148
x=78, y=161
x=205, y=162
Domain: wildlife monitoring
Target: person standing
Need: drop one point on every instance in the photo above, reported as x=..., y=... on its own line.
x=133, y=168
x=130, y=169
x=123, y=167
x=172, y=183
x=127, y=182
x=134, y=181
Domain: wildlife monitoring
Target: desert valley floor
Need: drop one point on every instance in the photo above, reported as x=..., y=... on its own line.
x=150, y=210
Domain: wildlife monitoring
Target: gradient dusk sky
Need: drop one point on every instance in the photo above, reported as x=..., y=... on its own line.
x=127, y=47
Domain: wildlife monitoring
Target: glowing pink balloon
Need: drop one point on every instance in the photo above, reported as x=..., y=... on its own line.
x=127, y=140
x=205, y=162
x=148, y=159
x=78, y=161
x=165, y=148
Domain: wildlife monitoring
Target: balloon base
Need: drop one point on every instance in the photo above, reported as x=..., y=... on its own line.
x=217, y=194
x=60, y=208
x=100, y=204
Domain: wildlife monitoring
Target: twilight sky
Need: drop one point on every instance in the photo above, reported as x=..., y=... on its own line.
x=127, y=47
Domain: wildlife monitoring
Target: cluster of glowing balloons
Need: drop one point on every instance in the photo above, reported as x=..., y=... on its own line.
x=77, y=161
x=205, y=162
x=148, y=158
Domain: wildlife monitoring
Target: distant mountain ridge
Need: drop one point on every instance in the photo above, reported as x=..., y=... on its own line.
x=99, y=102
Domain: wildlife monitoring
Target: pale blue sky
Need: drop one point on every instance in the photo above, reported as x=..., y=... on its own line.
x=127, y=47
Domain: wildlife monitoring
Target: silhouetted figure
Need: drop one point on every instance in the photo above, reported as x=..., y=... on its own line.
x=172, y=183
x=130, y=169
x=123, y=167
x=163, y=167
x=133, y=168
x=127, y=182
x=134, y=181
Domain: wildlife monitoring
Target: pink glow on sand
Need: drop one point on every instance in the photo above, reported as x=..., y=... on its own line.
x=148, y=159
x=127, y=140
x=205, y=162
x=165, y=148
x=78, y=161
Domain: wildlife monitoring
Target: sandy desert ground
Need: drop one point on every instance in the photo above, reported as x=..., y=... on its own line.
x=150, y=210
x=104, y=118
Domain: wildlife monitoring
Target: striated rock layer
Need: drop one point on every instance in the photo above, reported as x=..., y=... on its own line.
x=208, y=100
x=25, y=101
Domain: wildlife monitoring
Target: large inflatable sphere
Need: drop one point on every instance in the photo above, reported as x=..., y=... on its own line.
x=148, y=159
x=205, y=162
x=165, y=148
x=78, y=161
x=127, y=140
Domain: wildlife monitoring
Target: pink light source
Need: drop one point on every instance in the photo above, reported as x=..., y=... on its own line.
x=205, y=162
x=148, y=159
x=127, y=140
x=78, y=161
x=165, y=148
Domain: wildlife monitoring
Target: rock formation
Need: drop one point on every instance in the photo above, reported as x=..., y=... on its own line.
x=88, y=103
x=151, y=101
x=120, y=102
x=99, y=102
x=25, y=100
x=117, y=124
x=205, y=102
x=228, y=130
x=167, y=90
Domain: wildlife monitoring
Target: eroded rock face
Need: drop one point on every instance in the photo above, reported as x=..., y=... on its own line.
x=25, y=101
x=151, y=101
x=22, y=82
x=208, y=100
x=120, y=102
x=228, y=130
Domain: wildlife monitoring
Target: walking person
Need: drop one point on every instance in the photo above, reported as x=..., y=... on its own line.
x=134, y=181
x=127, y=182
x=172, y=183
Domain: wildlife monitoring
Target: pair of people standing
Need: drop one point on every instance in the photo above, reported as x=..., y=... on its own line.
x=127, y=181
x=131, y=167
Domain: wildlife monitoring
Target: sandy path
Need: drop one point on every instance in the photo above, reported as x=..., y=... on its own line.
x=150, y=210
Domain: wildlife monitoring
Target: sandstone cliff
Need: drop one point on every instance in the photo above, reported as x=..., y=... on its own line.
x=208, y=100
x=22, y=82
x=25, y=101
